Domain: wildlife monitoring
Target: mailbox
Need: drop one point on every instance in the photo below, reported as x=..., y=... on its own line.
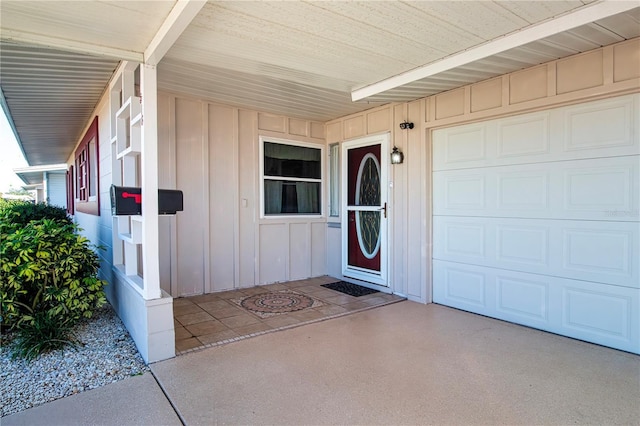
x=126, y=201
x=169, y=201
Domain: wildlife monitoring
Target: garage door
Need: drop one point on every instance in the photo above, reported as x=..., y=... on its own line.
x=536, y=220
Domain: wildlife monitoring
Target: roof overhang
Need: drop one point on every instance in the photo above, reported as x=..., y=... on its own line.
x=34, y=175
x=53, y=78
x=568, y=21
x=33, y=186
x=301, y=59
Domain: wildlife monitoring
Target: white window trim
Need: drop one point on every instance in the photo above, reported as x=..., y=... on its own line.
x=262, y=140
x=333, y=180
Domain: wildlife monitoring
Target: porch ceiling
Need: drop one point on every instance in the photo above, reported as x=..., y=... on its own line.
x=303, y=59
x=34, y=175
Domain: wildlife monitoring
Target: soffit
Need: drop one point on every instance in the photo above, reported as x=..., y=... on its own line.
x=301, y=59
x=35, y=175
x=51, y=95
x=56, y=58
x=587, y=37
x=121, y=29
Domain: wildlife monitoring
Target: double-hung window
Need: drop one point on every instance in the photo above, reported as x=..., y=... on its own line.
x=86, y=169
x=291, y=174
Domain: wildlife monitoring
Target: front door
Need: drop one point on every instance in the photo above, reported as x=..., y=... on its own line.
x=364, y=211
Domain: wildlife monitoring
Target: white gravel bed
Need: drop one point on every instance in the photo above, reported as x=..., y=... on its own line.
x=108, y=355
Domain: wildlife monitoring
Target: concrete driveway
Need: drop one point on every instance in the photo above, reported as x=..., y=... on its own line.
x=404, y=363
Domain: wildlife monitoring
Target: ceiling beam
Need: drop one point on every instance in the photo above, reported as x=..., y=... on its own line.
x=24, y=37
x=178, y=20
x=582, y=16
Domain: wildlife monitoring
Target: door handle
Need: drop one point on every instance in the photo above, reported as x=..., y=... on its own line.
x=385, y=210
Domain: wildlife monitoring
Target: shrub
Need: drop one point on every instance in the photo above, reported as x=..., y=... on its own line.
x=48, y=278
x=19, y=213
x=45, y=333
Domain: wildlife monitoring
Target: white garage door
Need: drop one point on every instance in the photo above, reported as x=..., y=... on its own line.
x=537, y=220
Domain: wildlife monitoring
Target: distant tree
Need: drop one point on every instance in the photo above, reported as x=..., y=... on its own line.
x=17, y=191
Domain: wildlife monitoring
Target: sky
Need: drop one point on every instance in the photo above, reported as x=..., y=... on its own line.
x=10, y=157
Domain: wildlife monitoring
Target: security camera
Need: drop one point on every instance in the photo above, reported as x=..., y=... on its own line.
x=406, y=125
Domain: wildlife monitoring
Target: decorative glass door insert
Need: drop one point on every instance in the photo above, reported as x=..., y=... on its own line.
x=365, y=212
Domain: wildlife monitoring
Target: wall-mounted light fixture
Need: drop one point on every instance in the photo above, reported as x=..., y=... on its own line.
x=397, y=157
x=406, y=125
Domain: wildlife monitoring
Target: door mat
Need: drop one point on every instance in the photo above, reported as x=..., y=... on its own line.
x=350, y=289
x=266, y=305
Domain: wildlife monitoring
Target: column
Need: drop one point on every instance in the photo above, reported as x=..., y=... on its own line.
x=149, y=181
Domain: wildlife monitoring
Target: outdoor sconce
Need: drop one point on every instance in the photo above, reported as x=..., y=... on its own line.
x=406, y=125
x=397, y=157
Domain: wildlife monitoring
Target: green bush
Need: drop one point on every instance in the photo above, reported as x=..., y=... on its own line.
x=18, y=213
x=44, y=334
x=48, y=279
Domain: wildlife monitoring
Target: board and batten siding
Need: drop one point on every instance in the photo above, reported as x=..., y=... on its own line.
x=219, y=242
x=98, y=229
x=56, y=189
x=602, y=73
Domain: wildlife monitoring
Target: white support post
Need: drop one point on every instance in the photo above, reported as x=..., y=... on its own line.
x=45, y=186
x=149, y=177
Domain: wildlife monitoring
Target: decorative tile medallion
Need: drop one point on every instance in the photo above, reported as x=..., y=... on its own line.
x=277, y=302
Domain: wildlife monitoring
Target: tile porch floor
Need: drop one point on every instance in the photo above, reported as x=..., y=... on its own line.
x=213, y=319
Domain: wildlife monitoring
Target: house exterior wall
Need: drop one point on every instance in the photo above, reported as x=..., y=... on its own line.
x=219, y=242
x=150, y=322
x=56, y=189
x=98, y=228
x=211, y=153
x=606, y=72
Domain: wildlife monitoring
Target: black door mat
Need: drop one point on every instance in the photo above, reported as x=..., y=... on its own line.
x=350, y=289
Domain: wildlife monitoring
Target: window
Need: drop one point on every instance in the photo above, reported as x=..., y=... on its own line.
x=292, y=178
x=86, y=168
x=334, y=180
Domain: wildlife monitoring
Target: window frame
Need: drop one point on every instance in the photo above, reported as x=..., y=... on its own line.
x=84, y=173
x=262, y=177
x=71, y=197
x=334, y=180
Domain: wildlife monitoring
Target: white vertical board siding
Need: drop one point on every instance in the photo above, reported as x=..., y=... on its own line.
x=274, y=252
x=418, y=199
x=536, y=220
x=334, y=250
x=398, y=211
x=210, y=153
x=57, y=191
x=167, y=180
x=223, y=195
x=291, y=249
x=99, y=228
x=248, y=196
x=299, y=251
x=318, y=249
x=190, y=176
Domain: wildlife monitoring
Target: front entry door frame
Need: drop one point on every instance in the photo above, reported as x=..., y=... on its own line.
x=374, y=278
